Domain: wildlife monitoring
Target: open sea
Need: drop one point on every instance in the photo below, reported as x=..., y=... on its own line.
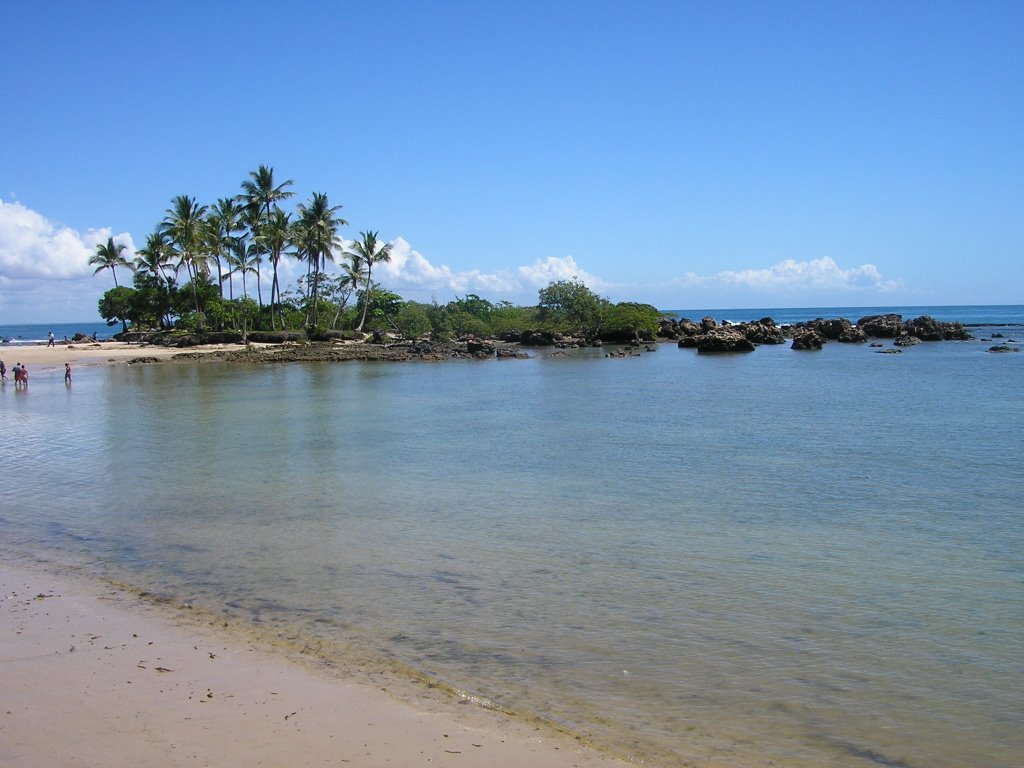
x=780, y=558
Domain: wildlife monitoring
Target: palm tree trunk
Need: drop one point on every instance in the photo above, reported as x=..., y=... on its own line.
x=366, y=296
x=273, y=291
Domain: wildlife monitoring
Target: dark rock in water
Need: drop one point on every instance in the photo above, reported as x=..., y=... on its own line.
x=143, y=360
x=881, y=326
x=687, y=327
x=852, y=336
x=997, y=335
x=906, y=340
x=762, y=332
x=929, y=329
x=830, y=329
x=888, y=351
x=690, y=341
x=477, y=347
x=1003, y=348
x=536, y=339
x=808, y=340
x=838, y=329
x=720, y=340
x=508, y=353
x=708, y=324
x=876, y=344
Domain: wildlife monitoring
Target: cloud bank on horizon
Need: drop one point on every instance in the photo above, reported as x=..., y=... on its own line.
x=45, y=276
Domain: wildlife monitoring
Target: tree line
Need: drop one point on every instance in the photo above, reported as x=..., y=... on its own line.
x=185, y=277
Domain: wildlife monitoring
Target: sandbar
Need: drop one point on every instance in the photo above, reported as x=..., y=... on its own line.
x=92, y=674
x=41, y=357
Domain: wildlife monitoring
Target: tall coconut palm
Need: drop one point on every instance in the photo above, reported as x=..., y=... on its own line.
x=185, y=228
x=274, y=238
x=154, y=256
x=110, y=256
x=261, y=195
x=369, y=251
x=316, y=232
x=261, y=192
x=224, y=220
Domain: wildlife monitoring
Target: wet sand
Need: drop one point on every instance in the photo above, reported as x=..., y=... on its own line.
x=93, y=675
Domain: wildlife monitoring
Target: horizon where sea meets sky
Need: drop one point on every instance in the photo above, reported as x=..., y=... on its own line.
x=729, y=155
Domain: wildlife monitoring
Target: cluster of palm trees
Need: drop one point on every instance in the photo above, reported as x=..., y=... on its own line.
x=238, y=235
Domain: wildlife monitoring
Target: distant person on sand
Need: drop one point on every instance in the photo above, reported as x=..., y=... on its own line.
x=94, y=335
x=67, y=373
x=49, y=342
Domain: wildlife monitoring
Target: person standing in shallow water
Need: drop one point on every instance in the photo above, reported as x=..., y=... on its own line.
x=3, y=371
x=67, y=373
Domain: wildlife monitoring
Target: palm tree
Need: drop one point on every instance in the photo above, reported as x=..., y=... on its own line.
x=225, y=218
x=154, y=256
x=274, y=238
x=260, y=195
x=316, y=232
x=110, y=256
x=251, y=247
x=260, y=192
x=369, y=251
x=185, y=229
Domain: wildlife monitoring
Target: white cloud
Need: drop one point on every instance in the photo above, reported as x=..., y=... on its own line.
x=44, y=267
x=410, y=271
x=33, y=247
x=795, y=277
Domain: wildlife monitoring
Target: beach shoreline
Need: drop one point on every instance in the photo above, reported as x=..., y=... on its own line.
x=94, y=674
x=98, y=353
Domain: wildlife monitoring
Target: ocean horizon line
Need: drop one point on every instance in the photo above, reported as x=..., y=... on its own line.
x=666, y=310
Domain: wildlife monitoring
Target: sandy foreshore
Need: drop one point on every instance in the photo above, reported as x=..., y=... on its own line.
x=41, y=357
x=93, y=675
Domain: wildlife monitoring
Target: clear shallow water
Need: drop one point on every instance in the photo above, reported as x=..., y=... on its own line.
x=805, y=558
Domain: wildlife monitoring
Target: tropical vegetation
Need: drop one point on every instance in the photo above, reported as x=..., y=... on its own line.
x=203, y=269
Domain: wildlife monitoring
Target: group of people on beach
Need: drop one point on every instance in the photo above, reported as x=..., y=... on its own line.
x=20, y=371
x=20, y=375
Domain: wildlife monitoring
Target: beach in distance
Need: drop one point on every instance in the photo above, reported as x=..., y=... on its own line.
x=783, y=558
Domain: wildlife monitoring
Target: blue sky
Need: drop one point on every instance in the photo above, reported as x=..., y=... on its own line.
x=727, y=154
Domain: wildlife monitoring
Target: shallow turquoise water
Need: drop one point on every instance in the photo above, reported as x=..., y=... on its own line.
x=805, y=558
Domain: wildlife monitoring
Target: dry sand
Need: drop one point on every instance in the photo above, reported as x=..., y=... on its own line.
x=92, y=675
x=40, y=357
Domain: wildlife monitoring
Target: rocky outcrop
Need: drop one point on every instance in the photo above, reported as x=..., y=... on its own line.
x=764, y=331
x=929, y=329
x=837, y=329
x=691, y=335
x=925, y=328
x=808, y=340
x=1003, y=348
x=881, y=326
x=906, y=340
x=720, y=340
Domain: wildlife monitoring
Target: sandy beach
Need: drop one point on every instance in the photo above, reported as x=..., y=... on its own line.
x=92, y=675
x=40, y=357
